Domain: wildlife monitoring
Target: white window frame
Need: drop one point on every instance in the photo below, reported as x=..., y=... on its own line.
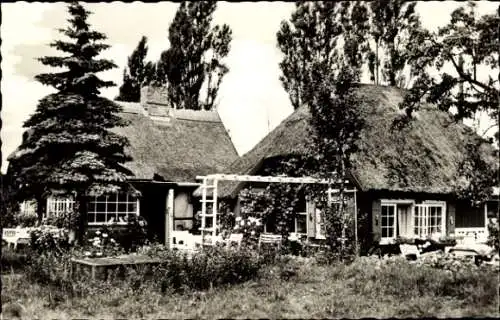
x=108, y=199
x=295, y=221
x=58, y=205
x=424, y=229
x=416, y=229
x=394, y=226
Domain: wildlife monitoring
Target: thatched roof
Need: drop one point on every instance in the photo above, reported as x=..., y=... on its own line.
x=175, y=144
x=422, y=158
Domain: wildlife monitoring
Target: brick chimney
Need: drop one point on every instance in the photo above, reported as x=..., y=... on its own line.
x=155, y=100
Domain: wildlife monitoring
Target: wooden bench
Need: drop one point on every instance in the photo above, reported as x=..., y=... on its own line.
x=15, y=236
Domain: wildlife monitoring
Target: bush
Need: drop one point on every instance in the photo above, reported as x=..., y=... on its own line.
x=99, y=243
x=26, y=220
x=67, y=220
x=206, y=269
x=493, y=233
x=12, y=260
x=398, y=278
x=50, y=239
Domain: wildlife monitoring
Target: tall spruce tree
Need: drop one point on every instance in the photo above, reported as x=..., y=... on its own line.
x=68, y=148
x=194, y=58
x=137, y=72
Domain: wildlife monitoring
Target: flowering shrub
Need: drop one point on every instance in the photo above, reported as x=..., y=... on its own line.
x=251, y=228
x=49, y=238
x=100, y=244
x=26, y=219
x=494, y=234
x=66, y=219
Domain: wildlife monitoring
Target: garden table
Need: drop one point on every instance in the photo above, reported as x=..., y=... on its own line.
x=110, y=262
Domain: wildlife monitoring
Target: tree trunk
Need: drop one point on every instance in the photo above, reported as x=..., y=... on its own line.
x=81, y=204
x=41, y=205
x=376, y=62
x=341, y=205
x=392, y=72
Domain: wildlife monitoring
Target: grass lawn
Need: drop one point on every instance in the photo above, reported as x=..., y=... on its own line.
x=362, y=289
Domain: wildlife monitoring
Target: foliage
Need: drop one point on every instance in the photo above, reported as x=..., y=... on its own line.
x=391, y=23
x=111, y=240
x=102, y=244
x=467, y=44
x=194, y=59
x=493, y=233
x=335, y=127
x=50, y=239
x=313, y=35
x=13, y=259
x=67, y=219
x=299, y=287
x=319, y=73
x=397, y=277
x=69, y=147
x=205, y=269
x=136, y=73
x=476, y=176
x=8, y=204
x=26, y=219
x=250, y=227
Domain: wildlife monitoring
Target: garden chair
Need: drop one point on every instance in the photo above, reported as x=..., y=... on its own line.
x=270, y=239
x=234, y=238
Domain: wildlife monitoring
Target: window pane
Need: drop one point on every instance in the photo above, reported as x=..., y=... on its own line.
x=132, y=207
x=301, y=206
x=384, y=233
x=390, y=211
x=391, y=221
x=301, y=223
x=100, y=207
x=384, y=221
x=111, y=207
x=122, y=207
x=384, y=211
x=100, y=217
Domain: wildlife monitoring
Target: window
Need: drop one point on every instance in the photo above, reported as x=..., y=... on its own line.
x=28, y=207
x=428, y=219
x=301, y=222
x=388, y=225
x=300, y=219
x=58, y=205
x=112, y=208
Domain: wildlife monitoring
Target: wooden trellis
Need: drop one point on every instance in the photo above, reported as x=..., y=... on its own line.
x=210, y=182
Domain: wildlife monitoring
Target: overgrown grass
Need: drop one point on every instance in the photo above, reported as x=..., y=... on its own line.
x=286, y=288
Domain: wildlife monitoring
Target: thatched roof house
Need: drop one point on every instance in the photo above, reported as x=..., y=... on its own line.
x=406, y=176
x=169, y=147
x=422, y=158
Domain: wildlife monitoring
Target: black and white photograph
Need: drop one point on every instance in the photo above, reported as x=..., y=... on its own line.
x=250, y=159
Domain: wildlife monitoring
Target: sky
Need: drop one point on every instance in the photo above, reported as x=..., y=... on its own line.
x=251, y=98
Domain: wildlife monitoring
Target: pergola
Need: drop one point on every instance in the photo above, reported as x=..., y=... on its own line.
x=210, y=182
